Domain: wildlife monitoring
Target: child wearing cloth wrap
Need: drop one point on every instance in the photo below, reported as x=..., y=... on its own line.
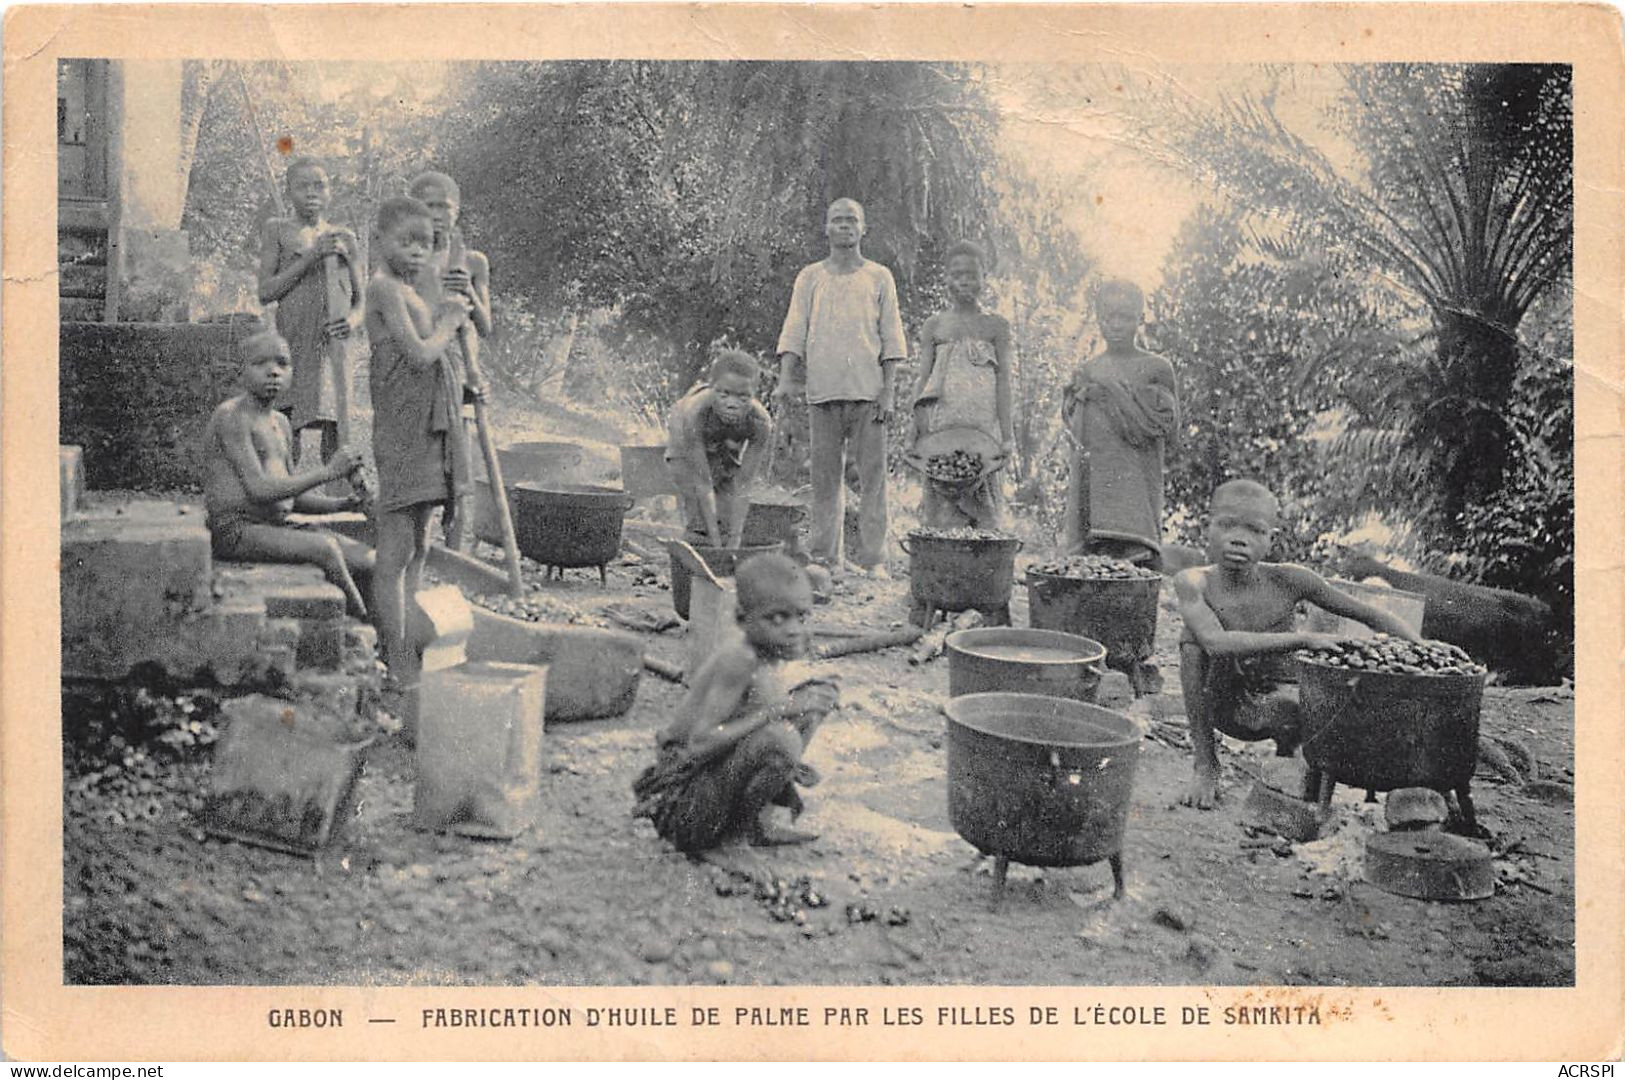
x=734, y=750
x=1240, y=622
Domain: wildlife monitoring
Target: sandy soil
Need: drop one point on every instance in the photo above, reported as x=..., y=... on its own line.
x=590, y=896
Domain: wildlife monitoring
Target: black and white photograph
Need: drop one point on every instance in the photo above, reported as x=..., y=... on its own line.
x=665, y=522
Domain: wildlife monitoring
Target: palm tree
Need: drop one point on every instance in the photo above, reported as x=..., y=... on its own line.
x=1456, y=188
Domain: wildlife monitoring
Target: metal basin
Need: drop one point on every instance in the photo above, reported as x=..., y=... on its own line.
x=1047, y=662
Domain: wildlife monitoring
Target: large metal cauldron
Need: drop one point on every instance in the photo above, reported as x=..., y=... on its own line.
x=1384, y=730
x=1012, y=660
x=1120, y=614
x=564, y=526
x=1040, y=780
x=955, y=574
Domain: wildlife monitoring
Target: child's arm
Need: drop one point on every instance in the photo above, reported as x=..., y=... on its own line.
x=351, y=253
x=237, y=443
x=315, y=503
x=928, y=362
x=1215, y=640
x=757, y=448
x=275, y=284
x=709, y=719
x=1005, y=351
x=1318, y=591
x=386, y=298
x=479, y=273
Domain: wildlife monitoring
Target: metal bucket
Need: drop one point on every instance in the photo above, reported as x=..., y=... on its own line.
x=772, y=522
x=960, y=574
x=722, y=561
x=1385, y=730
x=1120, y=614
x=569, y=525
x=644, y=471
x=1024, y=662
x=1039, y=780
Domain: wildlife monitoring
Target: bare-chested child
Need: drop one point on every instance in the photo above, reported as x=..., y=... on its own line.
x=454, y=269
x=417, y=393
x=1240, y=624
x=717, y=441
x=250, y=486
x=293, y=275
x=734, y=750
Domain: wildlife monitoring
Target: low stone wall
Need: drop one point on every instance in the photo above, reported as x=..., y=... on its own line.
x=135, y=396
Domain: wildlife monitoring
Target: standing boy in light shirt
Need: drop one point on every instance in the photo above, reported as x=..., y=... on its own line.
x=840, y=342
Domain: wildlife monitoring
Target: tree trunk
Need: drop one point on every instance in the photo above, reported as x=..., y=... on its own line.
x=1478, y=361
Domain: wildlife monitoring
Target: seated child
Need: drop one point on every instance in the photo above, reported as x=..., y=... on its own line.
x=717, y=439
x=293, y=275
x=734, y=749
x=250, y=486
x=965, y=356
x=1240, y=624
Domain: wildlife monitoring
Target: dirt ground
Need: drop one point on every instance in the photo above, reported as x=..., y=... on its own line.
x=590, y=896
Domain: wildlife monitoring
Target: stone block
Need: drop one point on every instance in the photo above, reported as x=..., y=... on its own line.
x=321, y=644
x=124, y=586
x=711, y=608
x=290, y=590
x=592, y=673
x=442, y=621
x=70, y=471
x=479, y=749
x=281, y=776
x=474, y=576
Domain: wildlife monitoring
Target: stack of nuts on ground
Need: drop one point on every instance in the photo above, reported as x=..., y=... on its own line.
x=955, y=466
x=1394, y=656
x=959, y=532
x=1093, y=568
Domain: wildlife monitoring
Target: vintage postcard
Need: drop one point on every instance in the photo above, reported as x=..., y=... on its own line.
x=1035, y=531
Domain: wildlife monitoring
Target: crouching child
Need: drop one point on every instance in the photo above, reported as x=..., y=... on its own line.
x=1240, y=625
x=250, y=485
x=734, y=750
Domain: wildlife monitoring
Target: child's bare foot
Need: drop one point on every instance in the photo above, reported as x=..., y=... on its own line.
x=766, y=833
x=1203, y=792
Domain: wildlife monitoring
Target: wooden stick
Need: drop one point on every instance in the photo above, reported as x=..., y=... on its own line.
x=470, y=342
x=869, y=643
x=669, y=672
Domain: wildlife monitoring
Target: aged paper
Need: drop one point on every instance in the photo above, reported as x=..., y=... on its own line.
x=1217, y=996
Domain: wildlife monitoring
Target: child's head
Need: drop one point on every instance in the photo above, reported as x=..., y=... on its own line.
x=1241, y=523
x=267, y=364
x=963, y=263
x=843, y=223
x=1119, y=305
x=306, y=184
x=733, y=384
x=404, y=230
x=439, y=193
x=774, y=602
